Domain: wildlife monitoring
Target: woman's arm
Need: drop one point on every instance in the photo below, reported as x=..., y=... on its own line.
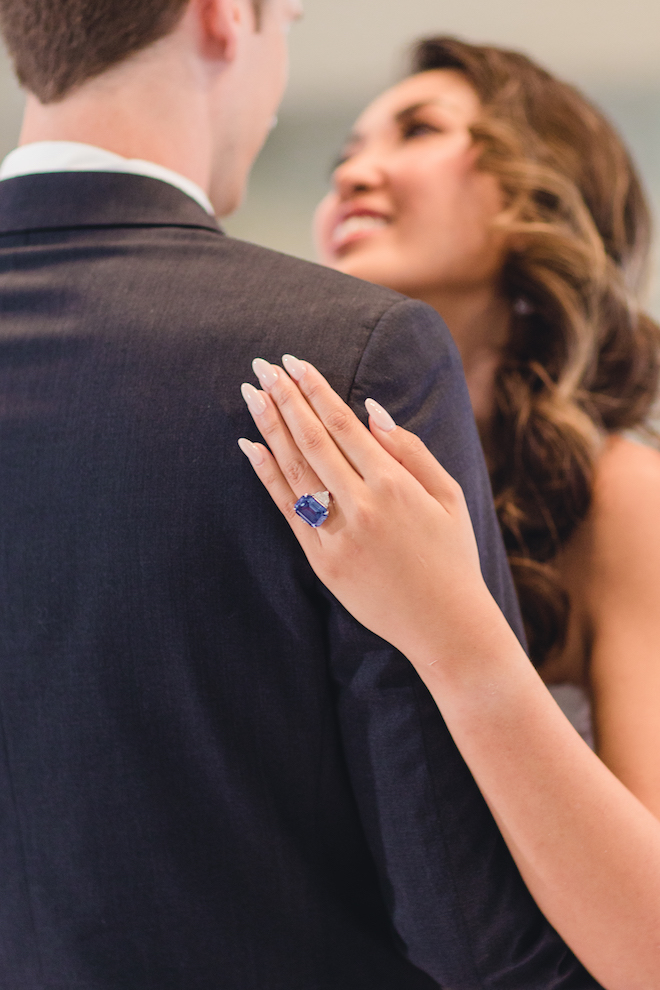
x=399, y=553
x=622, y=598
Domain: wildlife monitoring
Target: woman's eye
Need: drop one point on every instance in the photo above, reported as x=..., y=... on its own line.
x=417, y=128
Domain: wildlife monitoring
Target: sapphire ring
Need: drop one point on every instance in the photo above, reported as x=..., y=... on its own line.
x=314, y=509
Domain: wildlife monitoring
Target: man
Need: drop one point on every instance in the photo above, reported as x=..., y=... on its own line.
x=212, y=777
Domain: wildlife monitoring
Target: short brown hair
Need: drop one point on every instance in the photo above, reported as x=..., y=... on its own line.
x=57, y=45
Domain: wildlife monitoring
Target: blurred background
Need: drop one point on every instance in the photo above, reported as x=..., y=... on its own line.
x=345, y=51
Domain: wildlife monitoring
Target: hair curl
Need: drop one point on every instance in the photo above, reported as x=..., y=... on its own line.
x=582, y=360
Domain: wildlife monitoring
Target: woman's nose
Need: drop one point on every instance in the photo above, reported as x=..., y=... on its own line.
x=359, y=173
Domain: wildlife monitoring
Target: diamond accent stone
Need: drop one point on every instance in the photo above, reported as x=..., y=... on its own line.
x=314, y=509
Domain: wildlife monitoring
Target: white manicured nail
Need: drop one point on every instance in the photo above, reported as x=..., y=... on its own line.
x=254, y=399
x=253, y=453
x=294, y=367
x=265, y=372
x=380, y=416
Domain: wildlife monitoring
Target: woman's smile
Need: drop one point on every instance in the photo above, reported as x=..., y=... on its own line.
x=409, y=207
x=356, y=225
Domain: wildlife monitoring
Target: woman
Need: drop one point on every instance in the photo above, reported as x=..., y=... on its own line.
x=498, y=195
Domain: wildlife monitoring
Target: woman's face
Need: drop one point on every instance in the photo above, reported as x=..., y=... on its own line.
x=409, y=209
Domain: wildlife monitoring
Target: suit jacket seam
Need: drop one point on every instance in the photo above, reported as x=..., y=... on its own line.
x=417, y=686
x=358, y=364
x=415, y=683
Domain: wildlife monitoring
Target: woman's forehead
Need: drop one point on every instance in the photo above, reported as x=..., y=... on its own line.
x=446, y=89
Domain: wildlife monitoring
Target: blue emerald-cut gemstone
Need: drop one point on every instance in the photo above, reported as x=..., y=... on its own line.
x=314, y=512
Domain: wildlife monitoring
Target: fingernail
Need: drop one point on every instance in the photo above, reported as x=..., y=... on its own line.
x=253, y=453
x=294, y=367
x=265, y=372
x=255, y=400
x=380, y=416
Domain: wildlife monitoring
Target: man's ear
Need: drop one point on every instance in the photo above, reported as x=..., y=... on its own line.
x=221, y=22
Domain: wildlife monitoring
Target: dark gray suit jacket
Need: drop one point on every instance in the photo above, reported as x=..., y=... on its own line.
x=212, y=778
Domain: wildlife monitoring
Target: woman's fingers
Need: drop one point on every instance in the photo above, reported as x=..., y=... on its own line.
x=268, y=471
x=413, y=455
x=292, y=465
x=357, y=445
x=330, y=438
x=339, y=421
x=315, y=437
x=387, y=540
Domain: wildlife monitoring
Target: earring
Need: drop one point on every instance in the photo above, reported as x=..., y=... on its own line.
x=522, y=307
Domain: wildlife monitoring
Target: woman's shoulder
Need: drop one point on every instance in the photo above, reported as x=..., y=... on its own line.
x=624, y=520
x=627, y=479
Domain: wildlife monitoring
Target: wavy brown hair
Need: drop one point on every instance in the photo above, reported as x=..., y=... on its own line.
x=582, y=359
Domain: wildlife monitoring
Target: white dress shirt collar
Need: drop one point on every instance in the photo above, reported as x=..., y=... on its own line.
x=70, y=156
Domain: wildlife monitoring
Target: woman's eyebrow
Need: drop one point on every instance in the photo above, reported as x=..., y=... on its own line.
x=403, y=115
x=355, y=139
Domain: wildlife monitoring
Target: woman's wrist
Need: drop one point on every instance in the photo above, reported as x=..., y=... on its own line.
x=467, y=638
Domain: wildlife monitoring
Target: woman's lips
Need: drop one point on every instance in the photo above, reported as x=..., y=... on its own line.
x=355, y=227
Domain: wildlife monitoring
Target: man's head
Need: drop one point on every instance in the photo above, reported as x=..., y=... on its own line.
x=57, y=45
x=189, y=84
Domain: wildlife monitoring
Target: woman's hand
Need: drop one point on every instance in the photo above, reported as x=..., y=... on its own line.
x=398, y=549
x=399, y=552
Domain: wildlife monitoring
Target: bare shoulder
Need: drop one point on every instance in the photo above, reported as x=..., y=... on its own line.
x=623, y=467
x=625, y=513
x=622, y=594
x=627, y=474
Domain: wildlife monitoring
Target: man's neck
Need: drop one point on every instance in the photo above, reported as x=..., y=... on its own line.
x=179, y=148
x=136, y=112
